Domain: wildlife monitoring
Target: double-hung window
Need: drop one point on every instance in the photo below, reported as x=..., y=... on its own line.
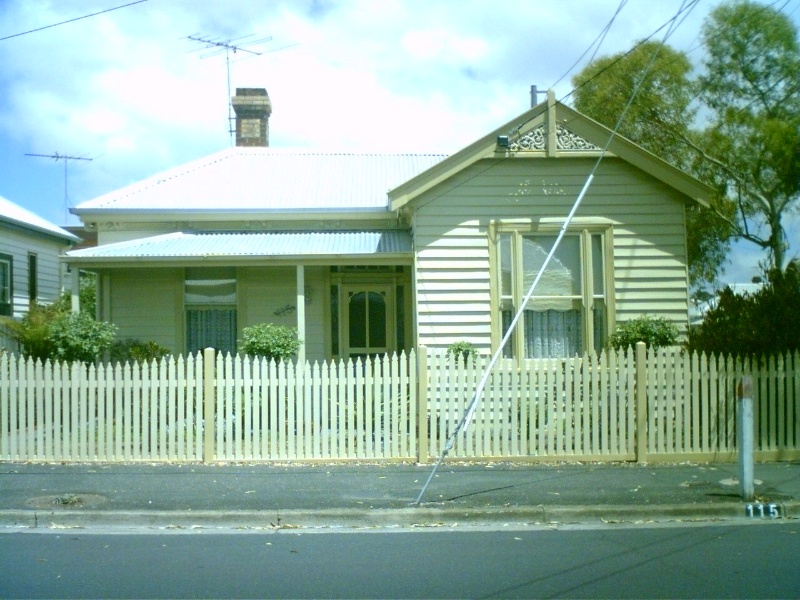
x=210, y=300
x=567, y=313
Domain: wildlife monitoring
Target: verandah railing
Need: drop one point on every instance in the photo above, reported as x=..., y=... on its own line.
x=664, y=405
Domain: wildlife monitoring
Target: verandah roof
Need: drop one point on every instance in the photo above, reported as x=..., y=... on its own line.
x=246, y=245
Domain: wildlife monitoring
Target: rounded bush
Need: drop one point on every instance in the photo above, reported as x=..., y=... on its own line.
x=268, y=340
x=655, y=332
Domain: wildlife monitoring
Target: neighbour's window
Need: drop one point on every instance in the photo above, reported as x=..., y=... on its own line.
x=567, y=313
x=6, y=285
x=33, y=278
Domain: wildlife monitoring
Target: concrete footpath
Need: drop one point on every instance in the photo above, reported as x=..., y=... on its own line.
x=258, y=496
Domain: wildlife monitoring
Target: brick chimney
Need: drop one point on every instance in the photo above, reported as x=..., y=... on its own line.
x=253, y=108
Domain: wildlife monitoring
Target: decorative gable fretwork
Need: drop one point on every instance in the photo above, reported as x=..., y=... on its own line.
x=566, y=140
x=533, y=140
x=536, y=139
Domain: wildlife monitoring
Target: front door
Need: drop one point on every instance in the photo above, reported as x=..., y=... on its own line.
x=368, y=316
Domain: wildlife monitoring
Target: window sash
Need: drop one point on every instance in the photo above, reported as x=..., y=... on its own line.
x=569, y=302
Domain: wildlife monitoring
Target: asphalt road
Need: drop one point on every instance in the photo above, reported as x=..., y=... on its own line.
x=719, y=561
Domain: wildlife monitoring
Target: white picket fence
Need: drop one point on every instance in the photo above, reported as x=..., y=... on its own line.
x=618, y=406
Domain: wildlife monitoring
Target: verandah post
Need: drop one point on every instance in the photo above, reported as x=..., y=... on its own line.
x=641, y=402
x=209, y=401
x=423, y=435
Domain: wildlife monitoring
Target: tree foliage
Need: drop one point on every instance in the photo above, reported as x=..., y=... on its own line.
x=754, y=324
x=748, y=149
x=87, y=295
x=751, y=148
x=658, y=120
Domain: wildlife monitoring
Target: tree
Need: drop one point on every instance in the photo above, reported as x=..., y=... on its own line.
x=751, y=148
x=759, y=324
x=659, y=120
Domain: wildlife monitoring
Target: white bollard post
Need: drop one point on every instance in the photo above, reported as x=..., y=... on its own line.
x=744, y=437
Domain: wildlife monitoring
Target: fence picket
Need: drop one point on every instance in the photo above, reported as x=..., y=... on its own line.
x=366, y=409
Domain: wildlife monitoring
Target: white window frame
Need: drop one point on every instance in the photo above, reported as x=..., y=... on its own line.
x=584, y=229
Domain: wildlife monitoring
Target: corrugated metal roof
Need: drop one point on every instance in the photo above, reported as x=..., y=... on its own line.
x=14, y=213
x=274, y=244
x=264, y=179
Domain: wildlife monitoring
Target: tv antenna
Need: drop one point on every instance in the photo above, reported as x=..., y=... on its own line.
x=218, y=46
x=56, y=157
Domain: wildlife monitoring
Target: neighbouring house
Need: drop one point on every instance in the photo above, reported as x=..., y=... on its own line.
x=30, y=259
x=373, y=253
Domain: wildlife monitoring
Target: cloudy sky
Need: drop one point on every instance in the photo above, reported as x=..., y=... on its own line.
x=129, y=90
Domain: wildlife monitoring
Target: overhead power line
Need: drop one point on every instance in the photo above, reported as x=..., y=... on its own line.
x=466, y=418
x=8, y=37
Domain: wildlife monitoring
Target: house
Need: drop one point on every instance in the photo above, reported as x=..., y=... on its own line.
x=30, y=264
x=369, y=253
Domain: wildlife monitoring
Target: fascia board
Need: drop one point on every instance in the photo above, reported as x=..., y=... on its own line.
x=635, y=155
x=485, y=147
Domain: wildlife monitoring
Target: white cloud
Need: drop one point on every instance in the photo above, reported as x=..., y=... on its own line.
x=128, y=89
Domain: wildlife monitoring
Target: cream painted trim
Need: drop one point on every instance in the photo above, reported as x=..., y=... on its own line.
x=75, y=285
x=388, y=290
x=551, y=224
x=495, y=328
x=583, y=226
x=301, y=313
x=552, y=112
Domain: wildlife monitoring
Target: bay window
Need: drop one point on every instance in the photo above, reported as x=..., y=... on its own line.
x=567, y=314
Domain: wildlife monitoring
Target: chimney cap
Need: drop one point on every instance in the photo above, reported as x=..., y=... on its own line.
x=251, y=92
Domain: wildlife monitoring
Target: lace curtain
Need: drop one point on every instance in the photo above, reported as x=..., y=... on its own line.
x=211, y=328
x=553, y=333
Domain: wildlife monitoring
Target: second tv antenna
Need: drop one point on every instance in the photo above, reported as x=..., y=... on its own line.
x=56, y=157
x=218, y=46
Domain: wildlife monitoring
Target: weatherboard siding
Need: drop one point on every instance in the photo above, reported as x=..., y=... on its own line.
x=19, y=244
x=148, y=306
x=269, y=295
x=451, y=236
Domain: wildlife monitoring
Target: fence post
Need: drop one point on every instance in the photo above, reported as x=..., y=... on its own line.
x=641, y=402
x=209, y=402
x=423, y=435
x=744, y=435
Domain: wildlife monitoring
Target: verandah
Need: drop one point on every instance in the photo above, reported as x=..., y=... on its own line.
x=639, y=405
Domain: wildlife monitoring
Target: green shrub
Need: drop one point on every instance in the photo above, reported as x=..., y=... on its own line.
x=763, y=323
x=53, y=332
x=124, y=351
x=655, y=332
x=463, y=350
x=32, y=332
x=78, y=337
x=271, y=341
